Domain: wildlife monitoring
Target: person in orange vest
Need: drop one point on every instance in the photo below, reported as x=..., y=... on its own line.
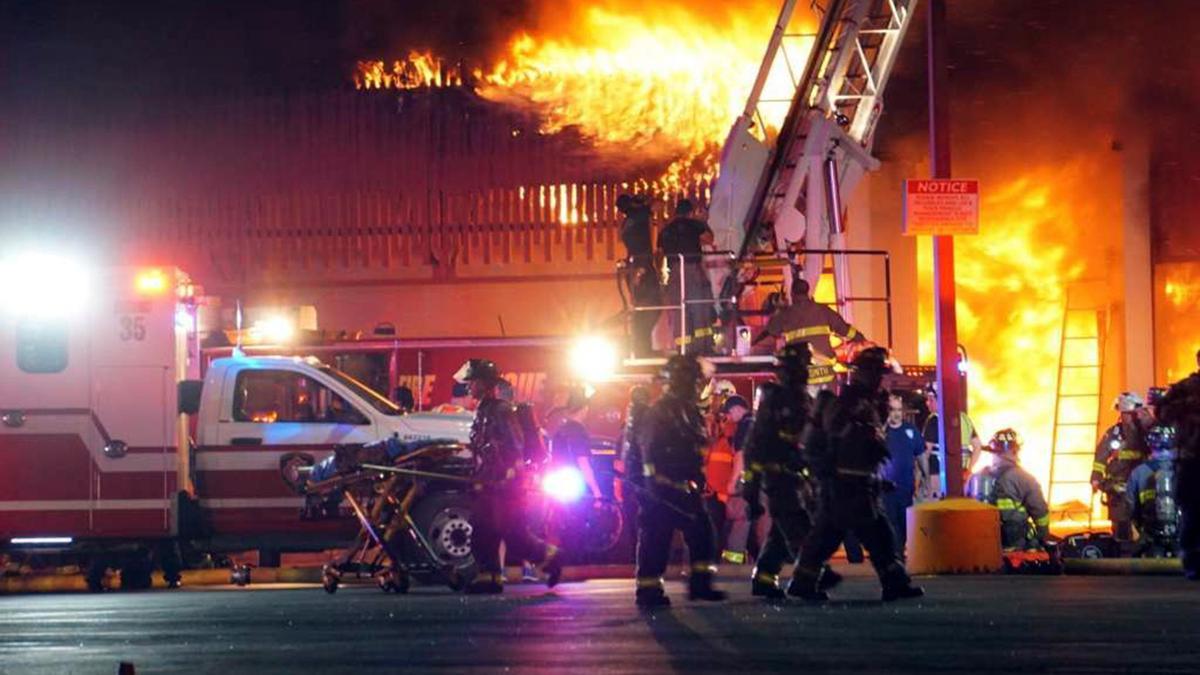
x=721, y=472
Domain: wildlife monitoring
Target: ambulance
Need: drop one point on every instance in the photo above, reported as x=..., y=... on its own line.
x=113, y=450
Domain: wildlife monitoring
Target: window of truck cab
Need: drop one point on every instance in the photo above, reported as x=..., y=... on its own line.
x=268, y=396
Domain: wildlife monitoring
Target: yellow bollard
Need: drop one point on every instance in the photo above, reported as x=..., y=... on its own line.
x=953, y=536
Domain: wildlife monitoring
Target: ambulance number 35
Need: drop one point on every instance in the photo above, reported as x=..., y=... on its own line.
x=133, y=328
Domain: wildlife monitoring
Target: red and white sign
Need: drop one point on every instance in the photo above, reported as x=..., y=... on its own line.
x=941, y=207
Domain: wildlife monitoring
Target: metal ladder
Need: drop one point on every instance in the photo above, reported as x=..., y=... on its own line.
x=1077, y=404
x=823, y=147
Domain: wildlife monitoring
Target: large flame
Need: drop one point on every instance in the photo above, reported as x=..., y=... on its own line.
x=651, y=82
x=1013, y=279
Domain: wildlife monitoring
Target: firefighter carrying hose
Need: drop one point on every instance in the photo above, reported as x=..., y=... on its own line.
x=1024, y=516
x=845, y=449
x=774, y=466
x=1119, y=452
x=1151, y=496
x=498, y=515
x=672, y=441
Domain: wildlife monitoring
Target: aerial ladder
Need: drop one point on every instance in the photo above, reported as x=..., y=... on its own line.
x=783, y=192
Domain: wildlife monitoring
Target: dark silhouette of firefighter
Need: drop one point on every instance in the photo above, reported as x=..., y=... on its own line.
x=687, y=280
x=1180, y=408
x=1024, y=515
x=641, y=277
x=501, y=480
x=1152, y=496
x=845, y=449
x=672, y=442
x=808, y=320
x=1119, y=452
x=775, y=467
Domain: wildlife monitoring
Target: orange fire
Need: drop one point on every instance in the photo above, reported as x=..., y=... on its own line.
x=1013, y=280
x=1178, y=325
x=420, y=69
x=653, y=82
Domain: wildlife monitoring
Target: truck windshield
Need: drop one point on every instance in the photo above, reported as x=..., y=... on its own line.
x=372, y=397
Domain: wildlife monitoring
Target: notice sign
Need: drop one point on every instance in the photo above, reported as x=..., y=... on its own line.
x=941, y=207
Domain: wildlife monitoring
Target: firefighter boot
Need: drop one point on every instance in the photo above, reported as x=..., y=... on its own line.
x=700, y=587
x=553, y=567
x=805, y=586
x=766, y=585
x=485, y=583
x=898, y=586
x=650, y=594
x=828, y=579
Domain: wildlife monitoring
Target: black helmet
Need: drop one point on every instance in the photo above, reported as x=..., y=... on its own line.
x=683, y=373
x=684, y=207
x=624, y=202
x=1005, y=442
x=478, y=369
x=871, y=359
x=794, y=358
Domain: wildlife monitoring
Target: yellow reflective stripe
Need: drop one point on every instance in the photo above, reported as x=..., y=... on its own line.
x=767, y=578
x=806, y=332
x=852, y=334
x=1130, y=454
x=1044, y=521
x=820, y=374
x=1006, y=504
x=1147, y=495
x=702, y=332
x=704, y=568
x=733, y=557
x=1099, y=466
x=649, y=582
x=686, y=340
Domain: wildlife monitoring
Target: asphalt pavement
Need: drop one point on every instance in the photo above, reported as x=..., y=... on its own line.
x=971, y=624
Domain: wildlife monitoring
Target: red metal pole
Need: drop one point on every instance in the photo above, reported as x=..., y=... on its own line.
x=950, y=403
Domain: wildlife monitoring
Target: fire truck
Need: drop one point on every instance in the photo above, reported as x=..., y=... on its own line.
x=115, y=450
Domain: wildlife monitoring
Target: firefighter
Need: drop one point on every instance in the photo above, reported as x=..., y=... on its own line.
x=844, y=448
x=1118, y=453
x=686, y=236
x=1151, y=496
x=641, y=278
x=499, y=513
x=1180, y=408
x=1024, y=516
x=808, y=320
x=774, y=466
x=672, y=440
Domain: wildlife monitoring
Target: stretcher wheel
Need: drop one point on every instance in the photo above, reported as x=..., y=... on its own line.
x=330, y=580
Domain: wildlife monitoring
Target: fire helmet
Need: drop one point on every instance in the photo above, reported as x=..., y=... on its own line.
x=793, y=357
x=478, y=369
x=1161, y=439
x=1128, y=402
x=683, y=373
x=1154, y=395
x=1005, y=442
x=684, y=207
x=873, y=360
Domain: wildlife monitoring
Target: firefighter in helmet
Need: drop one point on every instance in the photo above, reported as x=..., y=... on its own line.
x=774, y=466
x=1024, y=516
x=808, y=320
x=1151, y=496
x=1118, y=453
x=672, y=439
x=681, y=242
x=845, y=449
x=498, y=515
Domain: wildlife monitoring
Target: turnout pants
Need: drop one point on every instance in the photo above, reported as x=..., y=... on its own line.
x=1188, y=494
x=1121, y=515
x=657, y=523
x=851, y=506
x=499, y=516
x=790, y=525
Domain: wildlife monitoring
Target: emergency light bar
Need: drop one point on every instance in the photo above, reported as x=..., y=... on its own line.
x=39, y=541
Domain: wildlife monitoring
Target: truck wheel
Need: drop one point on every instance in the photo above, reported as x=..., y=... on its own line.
x=444, y=519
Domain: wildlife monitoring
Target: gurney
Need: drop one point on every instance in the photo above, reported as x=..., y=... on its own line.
x=386, y=484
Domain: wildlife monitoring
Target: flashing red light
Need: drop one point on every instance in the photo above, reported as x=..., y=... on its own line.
x=150, y=282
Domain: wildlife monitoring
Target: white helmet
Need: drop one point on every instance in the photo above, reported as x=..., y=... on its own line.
x=1128, y=401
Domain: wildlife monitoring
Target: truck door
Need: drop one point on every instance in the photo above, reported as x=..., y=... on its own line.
x=267, y=412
